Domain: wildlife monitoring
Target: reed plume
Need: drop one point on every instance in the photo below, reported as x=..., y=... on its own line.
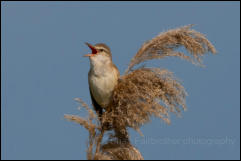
x=166, y=44
x=142, y=93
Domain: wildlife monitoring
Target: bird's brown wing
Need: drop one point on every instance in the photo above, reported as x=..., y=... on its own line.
x=97, y=107
x=118, y=72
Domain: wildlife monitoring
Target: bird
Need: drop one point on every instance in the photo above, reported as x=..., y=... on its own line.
x=103, y=76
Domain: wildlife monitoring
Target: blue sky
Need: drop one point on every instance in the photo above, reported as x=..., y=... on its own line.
x=42, y=71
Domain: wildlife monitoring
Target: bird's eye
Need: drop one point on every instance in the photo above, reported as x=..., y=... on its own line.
x=101, y=50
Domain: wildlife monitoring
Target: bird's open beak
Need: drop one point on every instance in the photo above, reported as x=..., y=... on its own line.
x=94, y=51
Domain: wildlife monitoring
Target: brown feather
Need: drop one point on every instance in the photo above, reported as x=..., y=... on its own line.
x=97, y=107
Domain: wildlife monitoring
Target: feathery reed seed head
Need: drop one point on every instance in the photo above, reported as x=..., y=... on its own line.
x=141, y=94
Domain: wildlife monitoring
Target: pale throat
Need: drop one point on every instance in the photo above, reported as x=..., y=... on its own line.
x=100, y=65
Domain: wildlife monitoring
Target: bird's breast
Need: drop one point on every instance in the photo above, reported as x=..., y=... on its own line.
x=102, y=87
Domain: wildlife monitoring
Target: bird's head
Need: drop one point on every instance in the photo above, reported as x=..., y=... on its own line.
x=100, y=53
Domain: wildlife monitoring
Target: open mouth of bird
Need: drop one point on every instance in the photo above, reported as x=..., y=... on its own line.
x=93, y=49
